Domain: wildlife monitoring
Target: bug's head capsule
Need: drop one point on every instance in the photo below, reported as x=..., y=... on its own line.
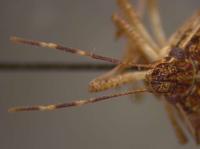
x=158, y=78
x=172, y=79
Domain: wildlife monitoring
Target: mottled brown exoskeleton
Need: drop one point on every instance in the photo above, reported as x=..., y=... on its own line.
x=168, y=68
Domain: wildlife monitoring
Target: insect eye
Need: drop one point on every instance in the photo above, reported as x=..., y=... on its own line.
x=177, y=53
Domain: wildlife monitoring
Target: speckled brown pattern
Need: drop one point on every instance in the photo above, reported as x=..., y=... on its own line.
x=172, y=69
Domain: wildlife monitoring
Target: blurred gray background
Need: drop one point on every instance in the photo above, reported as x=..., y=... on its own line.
x=84, y=24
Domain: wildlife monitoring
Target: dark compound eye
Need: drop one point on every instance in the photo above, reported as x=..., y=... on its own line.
x=178, y=53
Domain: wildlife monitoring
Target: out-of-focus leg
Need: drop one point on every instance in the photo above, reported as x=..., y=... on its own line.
x=178, y=130
x=115, y=81
x=156, y=24
x=132, y=34
x=132, y=17
x=141, y=6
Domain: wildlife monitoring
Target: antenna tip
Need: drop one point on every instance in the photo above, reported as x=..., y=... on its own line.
x=14, y=39
x=12, y=110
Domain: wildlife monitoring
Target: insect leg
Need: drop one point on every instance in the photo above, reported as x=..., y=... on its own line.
x=97, y=85
x=73, y=103
x=133, y=36
x=132, y=17
x=133, y=52
x=132, y=55
x=141, y=8
x=178, y=130
x=156, y=24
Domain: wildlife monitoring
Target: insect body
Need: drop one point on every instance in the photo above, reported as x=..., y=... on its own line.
x=170, y=69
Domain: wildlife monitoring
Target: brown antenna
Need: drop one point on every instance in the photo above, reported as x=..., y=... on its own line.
x=73, y=103
x=19, y=40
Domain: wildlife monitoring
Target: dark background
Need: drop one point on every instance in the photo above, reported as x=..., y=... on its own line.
x=84, y=24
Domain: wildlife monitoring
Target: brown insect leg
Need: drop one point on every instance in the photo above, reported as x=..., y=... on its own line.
x=133, y=52
x=133, y=36
x=115, y=81
x=178, y=130
x=73, y=103
x=192, y=121
x=141, y=6
x=133, y=19
x=156, y=23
